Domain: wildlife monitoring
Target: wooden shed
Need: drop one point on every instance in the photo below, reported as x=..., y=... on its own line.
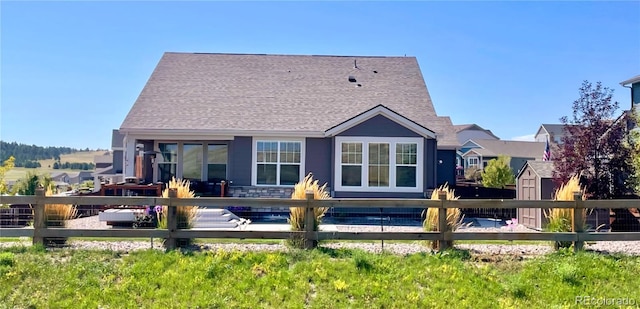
x=535, y=182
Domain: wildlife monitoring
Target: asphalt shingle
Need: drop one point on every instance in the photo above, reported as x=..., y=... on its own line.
x=244, y=92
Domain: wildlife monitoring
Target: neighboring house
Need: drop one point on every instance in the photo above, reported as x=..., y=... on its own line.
x=551, y=132
x=465, y=132
x=479, y=152
x=60, y=177
x=71, y=177
x=104, y=160
x=634, y=84
x=364, y=125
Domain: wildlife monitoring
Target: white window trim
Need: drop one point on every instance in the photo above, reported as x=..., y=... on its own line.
x=254, y=159
x=392, y=141
x=469, y=161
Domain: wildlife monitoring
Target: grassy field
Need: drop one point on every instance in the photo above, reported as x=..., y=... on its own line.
x=77, y=157
x=322, y=278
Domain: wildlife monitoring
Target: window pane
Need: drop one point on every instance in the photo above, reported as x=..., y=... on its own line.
x=167, y=171
x=169, y=152
x=217, y=162
x=406, y=176
x=378, y=165
x=267, y=152
x=352, y=153
x=289, y=152
x=406, y=153
x=351, y=175
x=378, y=176
x=266, y=174
x=289, y=174
x=192, y=161
x=217, y=154
x=216, y=172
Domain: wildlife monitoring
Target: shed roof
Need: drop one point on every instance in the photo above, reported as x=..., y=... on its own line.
x=544, y=169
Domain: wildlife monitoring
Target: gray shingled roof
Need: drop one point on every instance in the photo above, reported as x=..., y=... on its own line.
x=518, y=149
x=473, y=126
x=237, y=92
x=544, y=169
x=554, y=129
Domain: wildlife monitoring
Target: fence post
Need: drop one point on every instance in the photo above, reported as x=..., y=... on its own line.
x=578, y=221
x=172, y=220
x=442, y=221
x=309, y=222
x=39, y=220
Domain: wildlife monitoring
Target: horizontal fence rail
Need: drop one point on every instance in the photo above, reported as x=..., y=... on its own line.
x=40, y=231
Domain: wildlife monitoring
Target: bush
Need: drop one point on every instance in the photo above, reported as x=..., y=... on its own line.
x=296, y=216
x=560, y=219
x=58, y=214
x=186, y=215
x=454, y=216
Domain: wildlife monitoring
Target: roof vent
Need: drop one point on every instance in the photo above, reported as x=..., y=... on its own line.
x=355, y=64
x=375, y=72
x=359, y=85
x=352, y=78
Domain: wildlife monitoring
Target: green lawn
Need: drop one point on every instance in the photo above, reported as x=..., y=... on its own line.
x=321, y=278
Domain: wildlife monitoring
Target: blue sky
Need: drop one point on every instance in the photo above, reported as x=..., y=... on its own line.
x=70, y=71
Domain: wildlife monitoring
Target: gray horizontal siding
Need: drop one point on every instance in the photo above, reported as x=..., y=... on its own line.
x=240, y=152
x=379, y=126
x=318, y=154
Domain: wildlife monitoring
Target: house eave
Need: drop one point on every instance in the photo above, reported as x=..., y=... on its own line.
x=215, y=134
x=632, y=80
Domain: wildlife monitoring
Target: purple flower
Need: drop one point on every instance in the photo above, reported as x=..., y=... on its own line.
x=157, y=209
x=147, y=210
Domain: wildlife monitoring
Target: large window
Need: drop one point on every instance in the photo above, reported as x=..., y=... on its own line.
x=379, y=164
x=406, y=165
x=192, y=161
x=278, y=163
x=216, y=162
x=168, y=164
x=351, y=164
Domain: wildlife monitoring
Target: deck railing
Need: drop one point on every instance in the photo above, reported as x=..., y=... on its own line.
x=578, y=235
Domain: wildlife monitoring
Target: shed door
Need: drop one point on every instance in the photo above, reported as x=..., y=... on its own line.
x=528, y=216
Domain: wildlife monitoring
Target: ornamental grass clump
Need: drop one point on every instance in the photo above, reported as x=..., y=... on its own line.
x=454, y=216
x=58, y=214
x=560, y=219
x=186, y=215
x=296, y=216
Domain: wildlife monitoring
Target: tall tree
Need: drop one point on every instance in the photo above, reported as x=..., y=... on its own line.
x=592, y=146
x=498, y=173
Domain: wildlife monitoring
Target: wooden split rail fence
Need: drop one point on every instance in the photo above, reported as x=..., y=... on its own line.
x=578, y=235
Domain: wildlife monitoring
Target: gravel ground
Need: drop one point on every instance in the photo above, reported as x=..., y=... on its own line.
x=606, y=247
